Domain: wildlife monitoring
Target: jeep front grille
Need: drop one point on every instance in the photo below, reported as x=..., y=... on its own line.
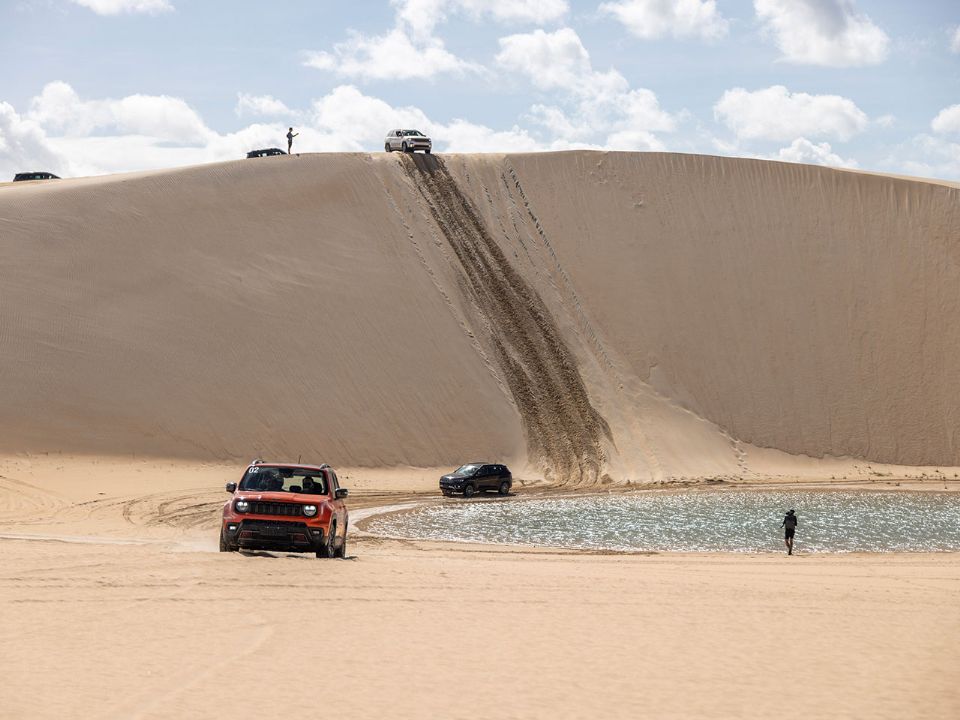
x=275, y=508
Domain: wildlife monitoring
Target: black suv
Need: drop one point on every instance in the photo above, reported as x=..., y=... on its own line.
x=477, y=477
x=20, y=177
x=267, y=152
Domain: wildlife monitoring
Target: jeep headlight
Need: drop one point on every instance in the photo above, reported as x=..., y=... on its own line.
x=309, y=510
x=242, y=506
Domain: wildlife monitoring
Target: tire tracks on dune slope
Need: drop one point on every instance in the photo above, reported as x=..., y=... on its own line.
x=509, y=215
x=584, y=326
x=564, y=431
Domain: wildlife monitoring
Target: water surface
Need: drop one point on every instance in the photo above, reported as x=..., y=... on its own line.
x=724, y=521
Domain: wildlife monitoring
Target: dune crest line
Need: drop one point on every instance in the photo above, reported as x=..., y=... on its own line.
x=563, y=429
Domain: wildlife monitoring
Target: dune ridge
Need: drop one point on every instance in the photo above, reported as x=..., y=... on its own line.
x=601, y=316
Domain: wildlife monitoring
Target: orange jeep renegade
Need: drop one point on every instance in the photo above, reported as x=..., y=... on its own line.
x=296, y=508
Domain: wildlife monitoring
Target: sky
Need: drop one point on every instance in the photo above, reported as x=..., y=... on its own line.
x=101, y=86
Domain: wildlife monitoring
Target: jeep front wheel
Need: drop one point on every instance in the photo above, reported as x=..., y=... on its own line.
x=326, y=550
x=468, y=491
x=225, y=544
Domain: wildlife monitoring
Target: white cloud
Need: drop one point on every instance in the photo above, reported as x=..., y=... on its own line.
x=518, y=11
x=464, y=136
x=634, y=140
x=87, y=137
x=58, y=107
x=926, y=156
x=348, y=120
x=548, y=60
x=159, y=116
x=823, y=32
x=650, y=19
x=66, y=134
x=116, y=7
x=424, y=15
x=598, y=107
x=947, y=120
x=395, y=54
x=775, y=113
x=410, y=49
x=264, y=105
x=955, y=41
x=886, y=121
x=641, y=110
x=556, y=121
x=24, y=146
x=802, y=150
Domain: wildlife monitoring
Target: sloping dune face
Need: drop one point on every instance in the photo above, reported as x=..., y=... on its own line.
x=797, y=307
x=600, y=315
x=255, y=307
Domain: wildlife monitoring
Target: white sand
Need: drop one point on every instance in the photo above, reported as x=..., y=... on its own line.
x=119, y=606
x=586, y=317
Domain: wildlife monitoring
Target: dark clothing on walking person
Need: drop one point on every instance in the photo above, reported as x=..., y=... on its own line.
x=790, y=528
x=290, y=136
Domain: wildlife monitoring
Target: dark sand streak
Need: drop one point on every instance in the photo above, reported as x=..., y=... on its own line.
x=563, y=429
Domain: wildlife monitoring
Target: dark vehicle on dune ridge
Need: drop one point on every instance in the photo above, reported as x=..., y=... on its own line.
x=286, y=507
x=477, y=477
x=21, y=177
x=266, y=152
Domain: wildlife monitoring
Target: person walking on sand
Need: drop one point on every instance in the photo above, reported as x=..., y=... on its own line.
x=290, y=136
x=789, y=526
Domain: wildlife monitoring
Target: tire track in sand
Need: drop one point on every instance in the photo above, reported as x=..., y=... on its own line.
x=177, y=510
x=22, y=503
x=563, y=428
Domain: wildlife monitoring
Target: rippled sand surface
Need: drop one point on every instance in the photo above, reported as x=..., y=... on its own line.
x=731, y=521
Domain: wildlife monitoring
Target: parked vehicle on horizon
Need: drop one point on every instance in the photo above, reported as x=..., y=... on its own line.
x=477, y=477
x=21, y=177
x=407, y=141
x=266, y=152
x=286, y=507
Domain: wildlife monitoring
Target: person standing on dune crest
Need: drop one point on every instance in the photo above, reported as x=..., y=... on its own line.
x=290, y=136
x=790, y=528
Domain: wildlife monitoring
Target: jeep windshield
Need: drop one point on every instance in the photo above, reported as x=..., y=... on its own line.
x=291, y=480
x=466, y=470
x=416, y=133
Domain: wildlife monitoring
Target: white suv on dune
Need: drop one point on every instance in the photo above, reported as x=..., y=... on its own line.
x=408, y=141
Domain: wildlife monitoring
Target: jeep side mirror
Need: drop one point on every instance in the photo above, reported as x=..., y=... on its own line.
x=342, y=493
x=231, y=487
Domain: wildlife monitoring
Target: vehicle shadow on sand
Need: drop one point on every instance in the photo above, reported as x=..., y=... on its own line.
x=292, y=556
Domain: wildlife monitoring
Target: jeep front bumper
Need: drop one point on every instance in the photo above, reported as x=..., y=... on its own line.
x=274, y=535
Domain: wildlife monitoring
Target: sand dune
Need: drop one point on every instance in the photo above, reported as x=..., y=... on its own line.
x=596, y=315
